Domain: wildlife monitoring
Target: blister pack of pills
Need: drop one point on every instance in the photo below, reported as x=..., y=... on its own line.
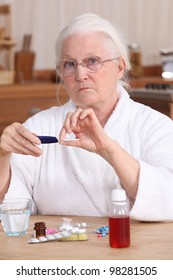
x=66, y=232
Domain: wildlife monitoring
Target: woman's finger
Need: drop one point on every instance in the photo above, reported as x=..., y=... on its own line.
x=16, y=138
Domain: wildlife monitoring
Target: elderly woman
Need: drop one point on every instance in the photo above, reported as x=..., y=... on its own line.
x=118, y=142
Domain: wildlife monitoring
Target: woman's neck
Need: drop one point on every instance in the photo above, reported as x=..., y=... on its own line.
x=104, y=113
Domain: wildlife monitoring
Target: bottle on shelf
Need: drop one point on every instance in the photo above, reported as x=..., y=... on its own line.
x=119, y=220
x=135, y=60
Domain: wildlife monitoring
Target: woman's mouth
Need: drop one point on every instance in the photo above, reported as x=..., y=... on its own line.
x=84, y=88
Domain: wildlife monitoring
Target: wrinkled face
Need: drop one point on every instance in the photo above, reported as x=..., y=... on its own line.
x=85, y=88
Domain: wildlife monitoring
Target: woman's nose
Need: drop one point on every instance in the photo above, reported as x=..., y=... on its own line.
x=81, y=73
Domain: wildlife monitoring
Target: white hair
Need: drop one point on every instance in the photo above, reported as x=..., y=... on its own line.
x=87, y=23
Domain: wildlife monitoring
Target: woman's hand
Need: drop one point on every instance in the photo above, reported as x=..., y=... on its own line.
x=91, y=136
x=17, y=139
x=87, y=129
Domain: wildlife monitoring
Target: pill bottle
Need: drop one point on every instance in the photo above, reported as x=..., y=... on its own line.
x=119, y=220
x=39, y=229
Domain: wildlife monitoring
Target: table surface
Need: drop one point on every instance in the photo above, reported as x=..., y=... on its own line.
x=148, y=241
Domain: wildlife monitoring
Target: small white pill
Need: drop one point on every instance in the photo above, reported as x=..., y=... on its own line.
x=33, y=240
x=65, y=227
x=65, y=233
x=82, y=230
x=78, y=225
x=84, y=225
x=75, y=230
x=42, y=238
x=58, y=235
x=50, y=237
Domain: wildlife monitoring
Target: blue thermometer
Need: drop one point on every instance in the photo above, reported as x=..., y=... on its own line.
x=48, y=139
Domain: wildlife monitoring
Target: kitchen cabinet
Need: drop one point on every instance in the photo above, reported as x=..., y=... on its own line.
x=19, y=102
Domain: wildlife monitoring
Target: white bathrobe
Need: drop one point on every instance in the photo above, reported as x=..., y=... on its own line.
x=72, y=181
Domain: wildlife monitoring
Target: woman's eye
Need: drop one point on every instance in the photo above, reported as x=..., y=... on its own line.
x=93, y=60
x=69, y=64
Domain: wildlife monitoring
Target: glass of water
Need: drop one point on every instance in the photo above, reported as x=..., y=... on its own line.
x=14, y=215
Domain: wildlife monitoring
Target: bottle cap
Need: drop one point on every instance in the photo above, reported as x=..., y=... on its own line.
x=118, y=195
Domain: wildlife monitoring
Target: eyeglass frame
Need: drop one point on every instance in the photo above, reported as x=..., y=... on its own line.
x=83, y=64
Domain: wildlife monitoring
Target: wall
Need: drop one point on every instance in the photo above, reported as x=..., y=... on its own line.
x=147, y=22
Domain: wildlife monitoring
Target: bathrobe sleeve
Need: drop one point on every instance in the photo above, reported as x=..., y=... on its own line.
x=154, y=200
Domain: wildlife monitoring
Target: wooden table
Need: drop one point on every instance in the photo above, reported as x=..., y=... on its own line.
x=149, y=241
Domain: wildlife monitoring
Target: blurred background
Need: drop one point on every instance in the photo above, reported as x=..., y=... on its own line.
x=28, y=33
x=145, y=22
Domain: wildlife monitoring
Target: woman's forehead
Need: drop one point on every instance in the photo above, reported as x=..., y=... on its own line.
x=84, y=44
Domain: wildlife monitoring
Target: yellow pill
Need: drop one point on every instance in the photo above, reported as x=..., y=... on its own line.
x=73, y=237
x=82, y=236
x=64, y=239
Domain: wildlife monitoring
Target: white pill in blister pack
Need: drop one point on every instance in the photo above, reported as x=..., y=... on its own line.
x=50, y=237
x=58, y=235
x=82, y=230
x=75, y=230
x=67, y=232
x=42, y=238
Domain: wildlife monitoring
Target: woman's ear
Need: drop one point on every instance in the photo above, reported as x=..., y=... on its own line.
x=121, y=67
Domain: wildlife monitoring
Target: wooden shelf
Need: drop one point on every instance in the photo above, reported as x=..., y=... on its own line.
x=7, y=43
x=6, y=39
x=19, y=102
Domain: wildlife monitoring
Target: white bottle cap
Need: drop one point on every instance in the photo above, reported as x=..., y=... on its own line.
x=118, y=195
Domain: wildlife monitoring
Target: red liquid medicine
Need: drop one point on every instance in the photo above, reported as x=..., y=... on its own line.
x=119, y=232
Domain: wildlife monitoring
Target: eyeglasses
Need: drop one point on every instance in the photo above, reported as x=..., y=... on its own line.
x=93, y=64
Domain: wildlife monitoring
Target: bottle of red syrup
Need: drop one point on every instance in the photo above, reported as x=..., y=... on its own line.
x=119, y=220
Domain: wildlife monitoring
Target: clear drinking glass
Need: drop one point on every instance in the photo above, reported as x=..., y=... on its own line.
x=14, y=215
